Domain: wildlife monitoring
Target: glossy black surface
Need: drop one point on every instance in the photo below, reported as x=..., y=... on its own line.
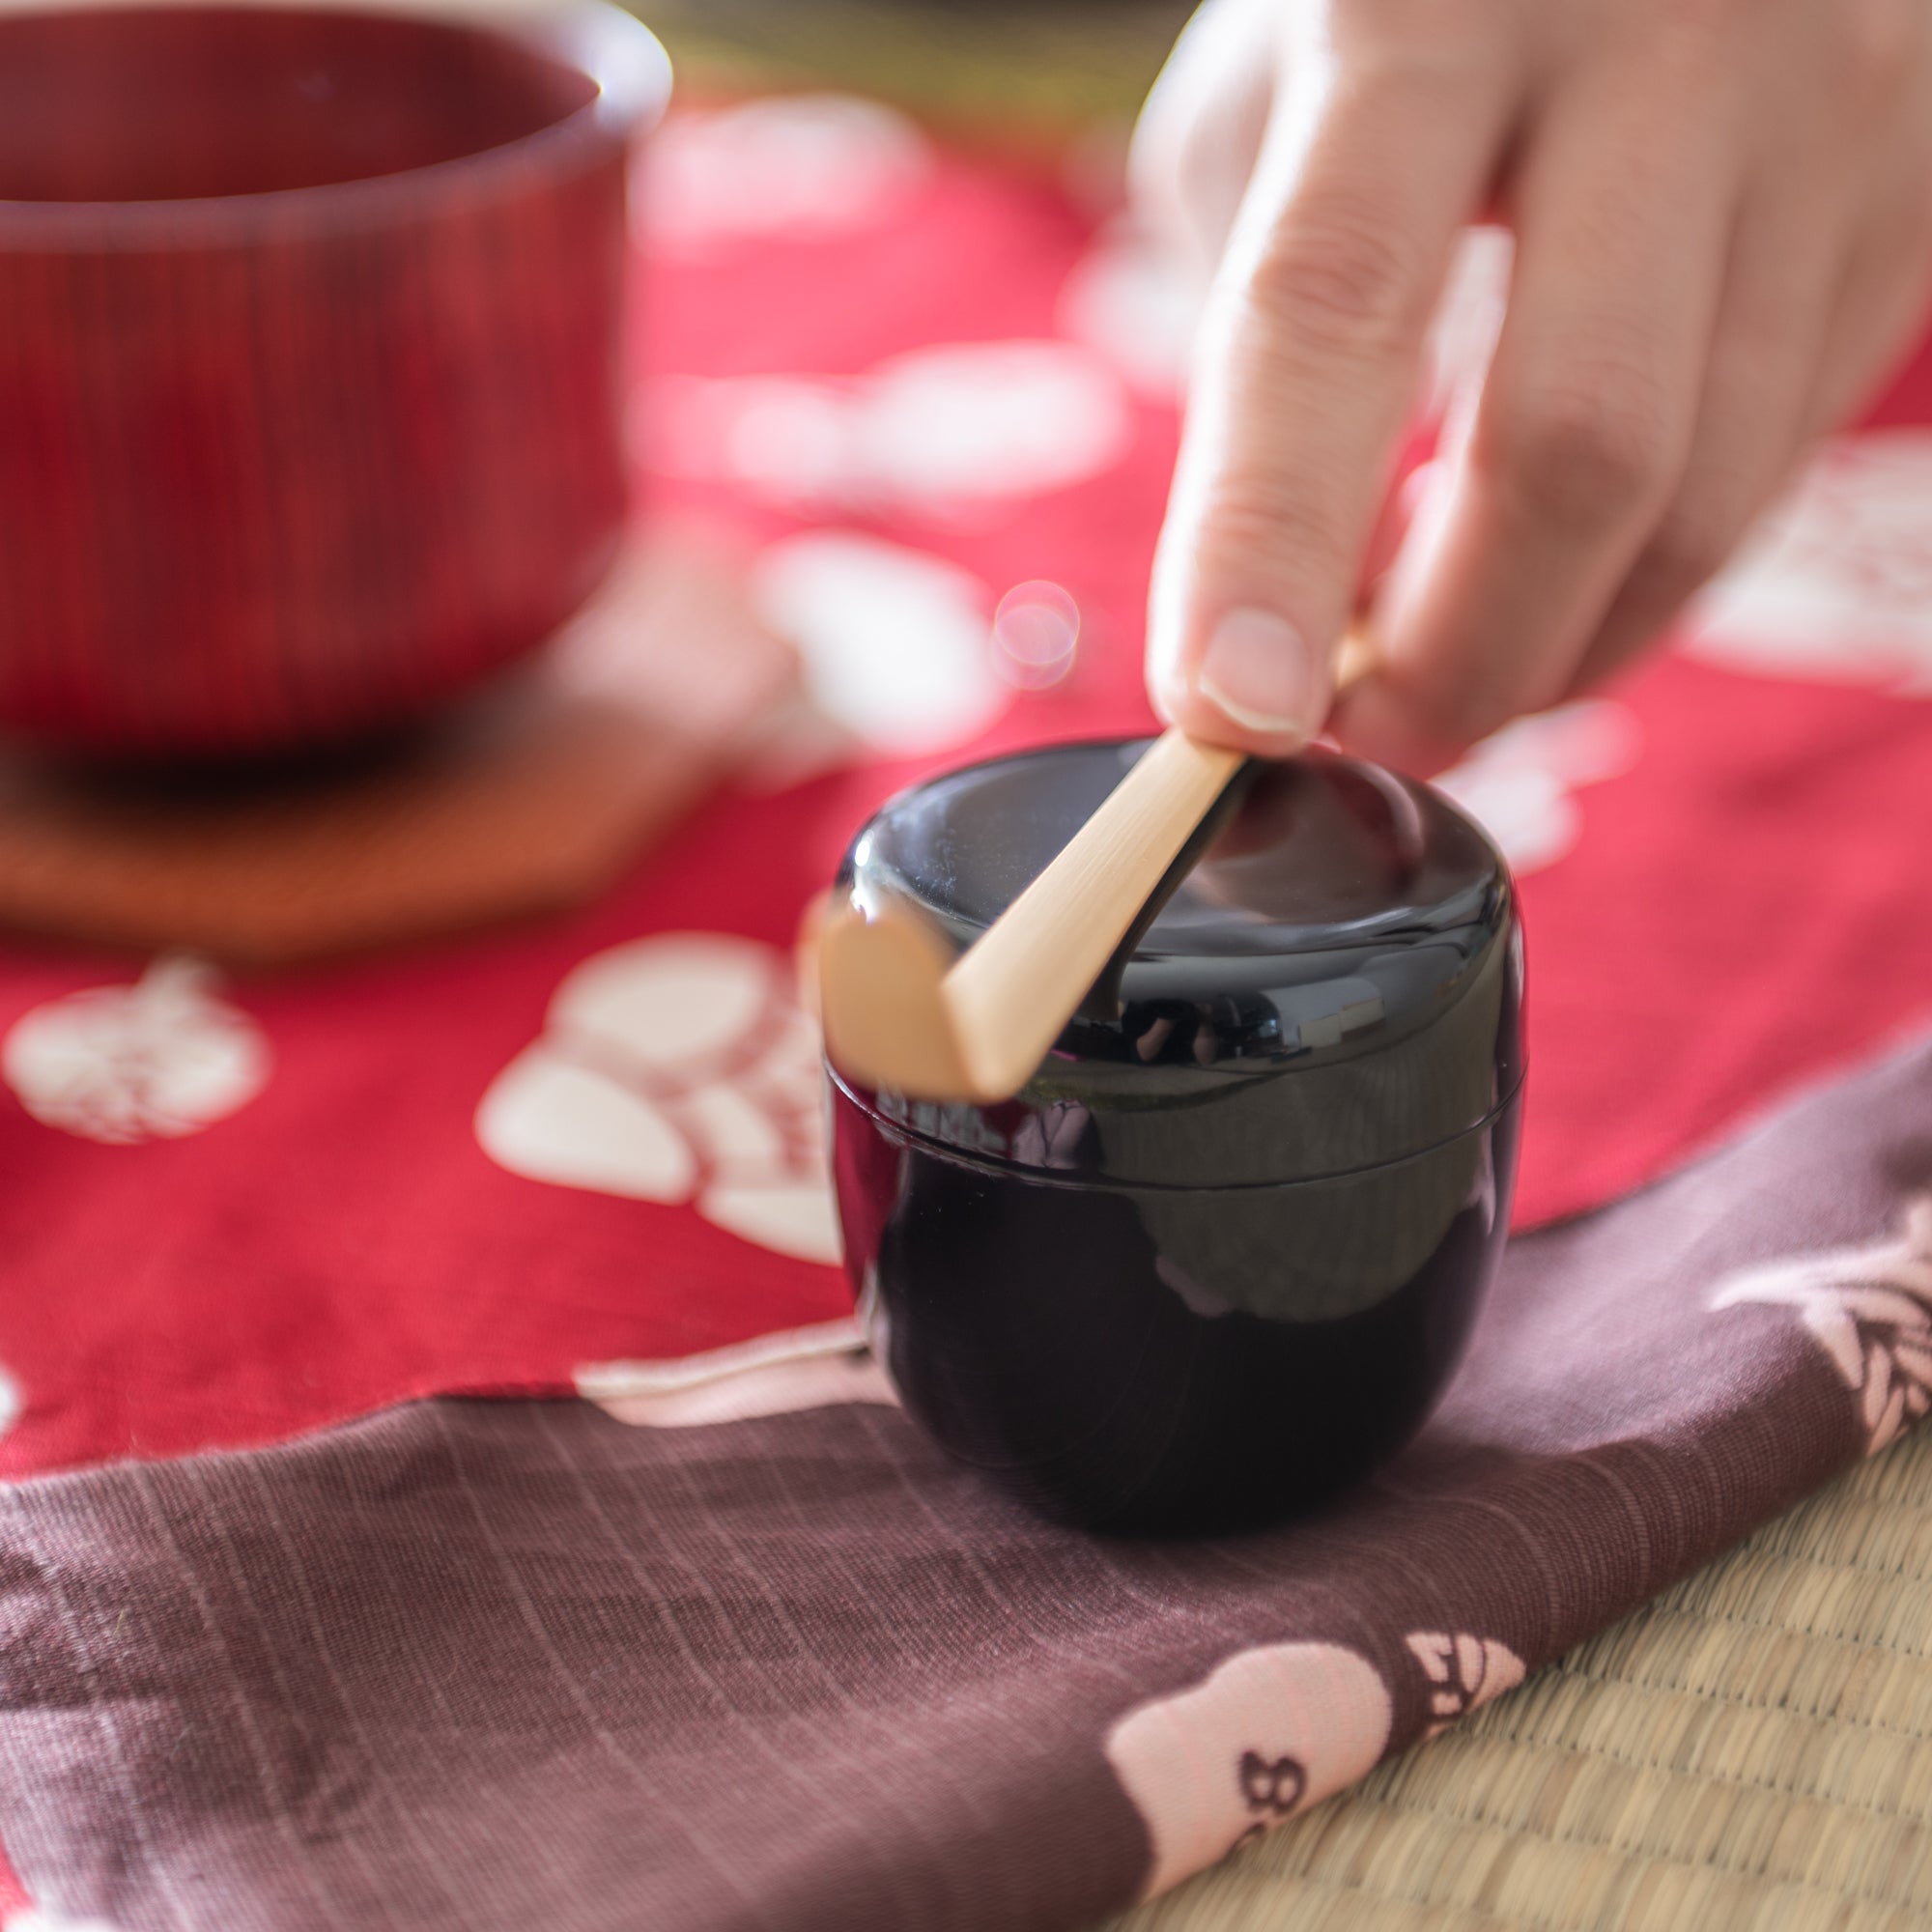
x=1169, y=1362
x=1336, y=925
x=1220, y=1258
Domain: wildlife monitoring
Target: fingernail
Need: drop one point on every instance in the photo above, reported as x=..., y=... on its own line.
x=1257, y=672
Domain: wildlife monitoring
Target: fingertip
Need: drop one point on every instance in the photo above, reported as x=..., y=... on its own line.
x=1205, y=721
x=1251, y=684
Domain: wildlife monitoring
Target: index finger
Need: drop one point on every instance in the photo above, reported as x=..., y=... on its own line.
x=1377, y=157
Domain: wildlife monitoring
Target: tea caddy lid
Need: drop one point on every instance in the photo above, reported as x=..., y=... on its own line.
x=1331, y=983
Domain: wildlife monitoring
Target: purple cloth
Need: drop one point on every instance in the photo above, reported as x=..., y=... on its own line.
x=475, y=1666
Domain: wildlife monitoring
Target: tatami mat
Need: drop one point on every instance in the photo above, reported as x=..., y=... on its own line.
x=989, y=70
x=1749, y=1752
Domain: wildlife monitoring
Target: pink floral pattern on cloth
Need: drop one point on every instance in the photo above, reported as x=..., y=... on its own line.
x=1274, y=1730
x=1466, y=1672
x=1266, y=1734
x=1871, y=1309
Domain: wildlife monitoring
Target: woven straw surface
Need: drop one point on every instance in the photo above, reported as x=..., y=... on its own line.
x=1749, y=1752
x=987, y=70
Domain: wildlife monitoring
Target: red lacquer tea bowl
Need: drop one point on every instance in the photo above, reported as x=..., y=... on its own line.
x=310, y=333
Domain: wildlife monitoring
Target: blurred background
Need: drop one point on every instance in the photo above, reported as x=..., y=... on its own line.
x=1019, y=72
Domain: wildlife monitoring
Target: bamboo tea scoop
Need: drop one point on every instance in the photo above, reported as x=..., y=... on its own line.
x=903, y=1013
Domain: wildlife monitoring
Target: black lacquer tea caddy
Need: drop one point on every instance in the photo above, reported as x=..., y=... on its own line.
x=1220, y=1257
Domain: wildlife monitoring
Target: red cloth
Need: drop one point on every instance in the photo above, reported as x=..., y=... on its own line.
x=1744, y=909
x=12, y=1895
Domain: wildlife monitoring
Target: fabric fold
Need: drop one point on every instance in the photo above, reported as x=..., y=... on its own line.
x=472, y=1664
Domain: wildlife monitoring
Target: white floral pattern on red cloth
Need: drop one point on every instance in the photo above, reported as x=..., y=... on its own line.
x=1871, y=1309
x=1266, y=1734
x=1837, y=585
x=1464, y=1672
x=1138, y=304
x=154, y=1061
x=897, y=649
x=677, y=1069
x=772, y=1374
x=943, y=434
x=796, y=168
x=1521, y=783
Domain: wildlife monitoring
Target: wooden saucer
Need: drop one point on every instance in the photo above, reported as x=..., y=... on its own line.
x=529, y=797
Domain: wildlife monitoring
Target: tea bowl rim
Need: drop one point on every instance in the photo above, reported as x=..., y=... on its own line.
x=597, y=38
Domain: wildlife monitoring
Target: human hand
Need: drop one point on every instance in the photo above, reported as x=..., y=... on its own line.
x=1722, y=217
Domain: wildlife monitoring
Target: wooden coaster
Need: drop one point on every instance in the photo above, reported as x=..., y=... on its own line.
x=529, y=797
